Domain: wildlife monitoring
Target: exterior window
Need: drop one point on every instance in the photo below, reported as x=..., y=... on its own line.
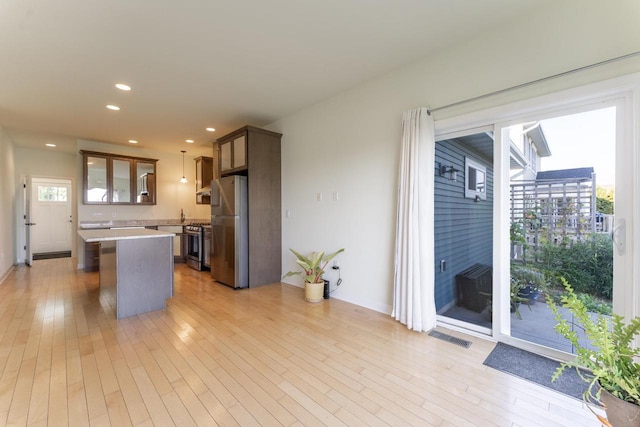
x=52, y=194
x=534, y=158
x=475, y=180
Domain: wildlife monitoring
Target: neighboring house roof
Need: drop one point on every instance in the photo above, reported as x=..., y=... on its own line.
x=540, y=141
x=534, y=131
x=575, y=173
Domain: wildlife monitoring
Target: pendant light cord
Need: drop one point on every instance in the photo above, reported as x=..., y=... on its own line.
x=183, y=179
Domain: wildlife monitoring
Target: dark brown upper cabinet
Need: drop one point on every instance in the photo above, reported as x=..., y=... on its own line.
x=114, y=179
x=233, y=154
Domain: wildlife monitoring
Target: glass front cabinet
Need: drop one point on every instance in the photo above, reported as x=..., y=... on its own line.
x=114, y=179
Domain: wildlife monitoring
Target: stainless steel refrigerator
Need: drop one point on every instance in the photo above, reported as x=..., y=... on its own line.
x=229, y=231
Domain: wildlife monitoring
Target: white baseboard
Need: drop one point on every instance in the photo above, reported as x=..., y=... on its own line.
x=6, y=274
x=380, y=308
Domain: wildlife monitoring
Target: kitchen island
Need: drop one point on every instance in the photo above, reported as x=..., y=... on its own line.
x=136, y=268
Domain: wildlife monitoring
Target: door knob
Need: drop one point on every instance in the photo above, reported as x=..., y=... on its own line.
x=30, y=223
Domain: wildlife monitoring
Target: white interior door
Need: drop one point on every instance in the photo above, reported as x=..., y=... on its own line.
x=51, y=215
x=27, y=222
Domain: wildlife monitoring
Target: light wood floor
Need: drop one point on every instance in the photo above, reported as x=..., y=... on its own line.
x=250, y=357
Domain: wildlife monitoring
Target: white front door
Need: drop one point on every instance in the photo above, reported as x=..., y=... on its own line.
x=50, y=215
x=28, y=259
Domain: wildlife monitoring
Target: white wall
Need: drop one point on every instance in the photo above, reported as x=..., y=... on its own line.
x=42, y=163
x=7, y=204
x=350, y=143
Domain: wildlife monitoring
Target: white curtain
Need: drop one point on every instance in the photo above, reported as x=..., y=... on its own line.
x=413, y=296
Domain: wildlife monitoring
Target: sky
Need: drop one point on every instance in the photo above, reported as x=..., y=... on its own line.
x=583, y=140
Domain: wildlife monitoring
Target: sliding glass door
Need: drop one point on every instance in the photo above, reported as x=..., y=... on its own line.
x=542, y=190
x=561, y=217
x=463, y=185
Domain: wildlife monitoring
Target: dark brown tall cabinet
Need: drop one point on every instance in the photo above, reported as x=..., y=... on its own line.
x=255, y=153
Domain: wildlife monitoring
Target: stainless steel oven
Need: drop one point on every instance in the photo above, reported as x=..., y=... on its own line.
x=206, y=246
x=194, y=246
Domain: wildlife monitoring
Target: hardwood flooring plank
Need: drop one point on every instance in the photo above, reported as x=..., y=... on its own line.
x=179, y=413
x=57, y=407
x=310, y=405
x=252, y=357
x=118, y=413
x=77, y=410
x=20, y=400
x=152, y=400
x=136, y=408
x=218, y=411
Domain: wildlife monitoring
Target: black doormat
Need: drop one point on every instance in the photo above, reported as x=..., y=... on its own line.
x=535, y=368
x=49, y=255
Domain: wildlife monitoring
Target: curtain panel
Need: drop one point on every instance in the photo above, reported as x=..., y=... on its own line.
x=414, y=296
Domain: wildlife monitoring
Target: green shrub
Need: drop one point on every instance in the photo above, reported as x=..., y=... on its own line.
x=587, y=264
x=594, y=305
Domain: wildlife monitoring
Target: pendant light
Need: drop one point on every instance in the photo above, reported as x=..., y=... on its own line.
x=183, y=180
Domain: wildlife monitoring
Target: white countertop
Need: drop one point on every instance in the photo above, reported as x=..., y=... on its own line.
x=88, y=225
x=102, y=235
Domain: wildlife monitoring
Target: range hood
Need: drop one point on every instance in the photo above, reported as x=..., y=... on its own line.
x=205, y=190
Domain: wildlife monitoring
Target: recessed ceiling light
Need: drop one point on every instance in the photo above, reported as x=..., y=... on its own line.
x=123, y=86
x=211, y=129
x=133, y=141
x=50, y=145
x=190, y=141
x=113, y=107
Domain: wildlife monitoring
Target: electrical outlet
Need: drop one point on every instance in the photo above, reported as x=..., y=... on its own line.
x=319, y=196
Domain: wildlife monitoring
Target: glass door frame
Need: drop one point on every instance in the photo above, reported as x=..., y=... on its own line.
x=441, y=319
x=622, y=92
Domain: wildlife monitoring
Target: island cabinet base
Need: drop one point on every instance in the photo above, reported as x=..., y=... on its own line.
x=137, y=274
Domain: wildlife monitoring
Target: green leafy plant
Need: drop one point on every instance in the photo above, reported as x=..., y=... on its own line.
x=313, y=265
x=594, y=304
x=516, y=298
x=587, y=264
x=610, y=358
x=516, y=233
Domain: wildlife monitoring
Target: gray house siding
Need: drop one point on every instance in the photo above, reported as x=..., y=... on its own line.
x=463, y=227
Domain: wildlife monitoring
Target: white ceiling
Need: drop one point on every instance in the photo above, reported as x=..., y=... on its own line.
x=199, y=63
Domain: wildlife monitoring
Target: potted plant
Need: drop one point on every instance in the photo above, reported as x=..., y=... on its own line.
x=516, y=298
x=312, y=269
x=530, y=283
x=614, y=372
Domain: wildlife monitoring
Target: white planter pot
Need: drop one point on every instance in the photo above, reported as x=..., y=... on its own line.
x=314, y=292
